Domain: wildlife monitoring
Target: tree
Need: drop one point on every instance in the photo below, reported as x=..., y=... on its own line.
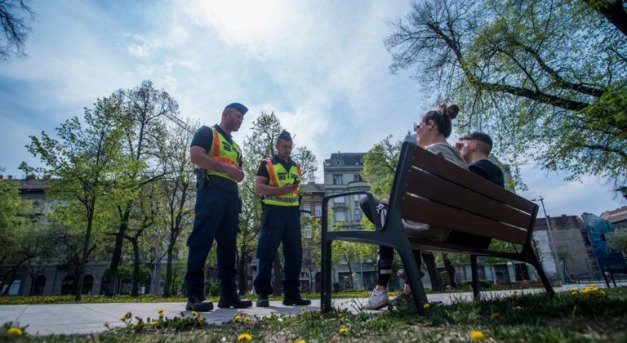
x=20, y=243
x=546, y=78
x=617, y=240
x=178, y=194
x=143, y=109
x=84, y=162
x=380, y=165
x=15, y=17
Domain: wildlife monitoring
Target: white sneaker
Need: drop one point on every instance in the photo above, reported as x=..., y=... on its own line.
x=377, y=300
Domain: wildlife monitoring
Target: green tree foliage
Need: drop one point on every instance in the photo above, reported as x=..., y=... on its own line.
x=174, y=207
x=15, y=18
x=85, y=161
x=380, y=165
x=617, y=240
x=20, y=244
x=546, y=78
x=144, y=111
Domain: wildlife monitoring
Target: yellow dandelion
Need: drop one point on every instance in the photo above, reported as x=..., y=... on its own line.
x=237, y=317
x=155, y=322
x=123, y=318
x=194, y=313
x=245, y=337
x=161, y=312
x=300, y=341
x=247, y=319
x=426, y=306
x=344, y=330
x=476, y=334
x=15, y=331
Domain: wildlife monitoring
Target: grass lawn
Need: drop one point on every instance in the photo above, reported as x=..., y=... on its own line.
x=587, y=315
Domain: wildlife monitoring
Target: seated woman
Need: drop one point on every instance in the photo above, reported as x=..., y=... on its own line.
x=431, y=134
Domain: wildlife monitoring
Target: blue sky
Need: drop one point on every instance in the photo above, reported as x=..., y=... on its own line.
x=321, y=66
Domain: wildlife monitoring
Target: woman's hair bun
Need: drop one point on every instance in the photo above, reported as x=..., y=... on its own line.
x=451, y=110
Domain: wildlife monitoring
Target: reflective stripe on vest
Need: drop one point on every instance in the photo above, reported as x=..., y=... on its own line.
x=226, y=156
x=287, y=199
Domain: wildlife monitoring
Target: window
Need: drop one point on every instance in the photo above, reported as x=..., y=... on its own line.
x=306, y=210
x=338, y=200
x=337, y=179
x=318, y=212
x=340, y=216
x=308, y=232
x=357, y=215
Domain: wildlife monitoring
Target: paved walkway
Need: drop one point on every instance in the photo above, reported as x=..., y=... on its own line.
x=91, y=318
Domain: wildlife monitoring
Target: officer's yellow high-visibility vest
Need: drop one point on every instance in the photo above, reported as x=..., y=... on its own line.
x=225, y=152
x=280, y=177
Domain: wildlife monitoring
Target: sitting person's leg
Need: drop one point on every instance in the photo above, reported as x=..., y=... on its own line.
x=379, y=297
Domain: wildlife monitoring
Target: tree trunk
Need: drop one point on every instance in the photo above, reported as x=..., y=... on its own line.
x=436, y=282
x=167, y=289
x=136, y=272
x=116, y=258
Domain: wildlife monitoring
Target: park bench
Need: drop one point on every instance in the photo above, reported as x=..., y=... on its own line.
x=428, y=189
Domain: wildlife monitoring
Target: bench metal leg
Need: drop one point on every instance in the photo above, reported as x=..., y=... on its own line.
x=475, y=278
x=325, y=291
x=531, y=258
x=413, y=276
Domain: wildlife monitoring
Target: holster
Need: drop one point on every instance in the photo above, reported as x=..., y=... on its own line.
x=201, y=178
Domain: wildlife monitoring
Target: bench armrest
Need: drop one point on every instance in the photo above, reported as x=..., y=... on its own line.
x=371, y=204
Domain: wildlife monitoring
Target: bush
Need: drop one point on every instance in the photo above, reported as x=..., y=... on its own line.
x=212, y=288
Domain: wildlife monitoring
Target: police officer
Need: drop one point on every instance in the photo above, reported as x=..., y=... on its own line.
x=277, y=182
x=219, y=161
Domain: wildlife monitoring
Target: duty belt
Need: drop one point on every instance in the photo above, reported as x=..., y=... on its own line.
x=288, y=200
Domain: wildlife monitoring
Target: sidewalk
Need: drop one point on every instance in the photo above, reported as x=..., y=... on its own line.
x=91, y=318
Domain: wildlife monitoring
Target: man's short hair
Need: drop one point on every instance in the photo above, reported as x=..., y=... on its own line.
x=479, y=137
x=284, y=135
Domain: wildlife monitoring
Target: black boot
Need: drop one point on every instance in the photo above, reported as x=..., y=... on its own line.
x=296, y=301
x=198, y=304
x=234, y=302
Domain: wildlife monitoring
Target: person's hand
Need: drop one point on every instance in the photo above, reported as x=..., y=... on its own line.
x=286, y=189
x=234, y=172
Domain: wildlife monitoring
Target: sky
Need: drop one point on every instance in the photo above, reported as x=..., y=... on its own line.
x=320, y=66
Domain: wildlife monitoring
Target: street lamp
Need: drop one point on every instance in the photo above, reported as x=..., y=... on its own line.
x=551, y=241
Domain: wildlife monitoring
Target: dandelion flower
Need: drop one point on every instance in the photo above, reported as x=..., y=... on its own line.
x=237, y=317
x=194, y=313
x=476, y=334
x=300, y=341
x=160, y=312
x=344, y=330
x=123, y=318
x=426, y=306
x=247, y=319
x=245, y=337
x=15, y=331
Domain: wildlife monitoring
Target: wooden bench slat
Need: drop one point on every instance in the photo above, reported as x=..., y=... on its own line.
x=435, y=164
x=446, y=192
x=425, y=211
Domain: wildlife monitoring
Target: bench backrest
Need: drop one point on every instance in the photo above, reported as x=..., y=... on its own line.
x=428, y=189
